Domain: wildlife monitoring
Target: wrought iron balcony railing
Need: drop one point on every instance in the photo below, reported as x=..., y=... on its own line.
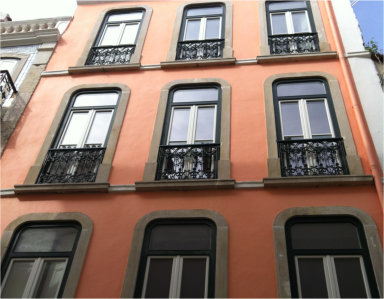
x=78, y=165
x=110, y=55
x=182, y=162
x=200, y=49
x=312, y=157
x=294, y=43
x=7, y=88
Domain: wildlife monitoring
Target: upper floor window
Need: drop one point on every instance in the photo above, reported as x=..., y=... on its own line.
x=190, y=143
x=291, y=28
x=117, y=38
x=309, y=139
x=328, y=257
x=80, y=143
x=178, y=260
x=202, y=33
x=7, y=86
x=38, y=260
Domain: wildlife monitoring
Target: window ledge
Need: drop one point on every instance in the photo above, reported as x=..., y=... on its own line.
x=194, y=63
x=103, y=68
x=296, y=57
x=61, y=188
x=319, y=181
x=184, y=185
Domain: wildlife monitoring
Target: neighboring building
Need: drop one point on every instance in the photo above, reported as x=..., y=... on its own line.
x=193, y=149
x=26, y=47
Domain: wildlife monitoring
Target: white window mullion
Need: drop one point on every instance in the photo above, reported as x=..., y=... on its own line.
x=331, y=277
x=329, y=118
x=192, y=125
x=118, y=40
x=91, y=116
x=288, y=19
x=304, y=119
x=33, y=278
x=175, y=281
x=203, y=26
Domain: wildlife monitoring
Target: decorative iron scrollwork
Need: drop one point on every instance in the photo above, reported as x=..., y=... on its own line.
x=183, y=162
x=294, y=43
x=205, y=49
x=312, y=157
x=110, y=55
x=7, y=88
x=78, y=165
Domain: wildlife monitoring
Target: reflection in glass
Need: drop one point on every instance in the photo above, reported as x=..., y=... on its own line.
x=318, y=118
x=17, y=278
x=129, y=34
x=300, y=23
x=96, y=99
x=51, y=277
x=290, y=116
x=125, y=17
x=288, y=5
x=312, y=278
x=279, y=25
x=204, y=11
x=111, y=34
x=192, y=30
x=179, y=126
x=159, y=278
x=75, y=129
x=99, y=128
x=212, y=29
x=193, y=278
x=300, y=88
x=195, y=95
x=205, y=124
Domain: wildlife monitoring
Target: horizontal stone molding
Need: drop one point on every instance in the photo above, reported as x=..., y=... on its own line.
x=295, y=57
x=103, y=68
x=318, y=181
x=184, y=185
x=61, y=188
x=196, y=63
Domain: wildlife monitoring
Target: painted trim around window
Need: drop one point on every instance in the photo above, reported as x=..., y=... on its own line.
x=281, y=259
x=82, y=245
x=353, y=160
x=221, y=275
x=105, y=167
x=224, y=167
x=135, y=58
x=319, y=28
x=21, y=60
x=227, y=52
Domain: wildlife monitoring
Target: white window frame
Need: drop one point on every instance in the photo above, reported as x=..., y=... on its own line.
x=192, y=123
x=203, y=26
x=35, y=276
x=330, y=273
x=86, y=130
x=289, y=21
x=121, y=32
x=304, y=117
x=176, y=274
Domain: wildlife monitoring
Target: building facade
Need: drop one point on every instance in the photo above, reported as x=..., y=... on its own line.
x=193, y=149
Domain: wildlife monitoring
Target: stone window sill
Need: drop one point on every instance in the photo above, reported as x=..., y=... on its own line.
x=196, y=63
x=103, y=68
x=318, y=181
x=184, y=185
x=61, y=188
x=295, y=57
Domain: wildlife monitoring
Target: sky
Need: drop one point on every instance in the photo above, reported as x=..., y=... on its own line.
x=370, y=13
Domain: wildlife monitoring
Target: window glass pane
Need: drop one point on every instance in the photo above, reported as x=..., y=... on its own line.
x=204, y=11
x=324, y=236
x=159, y=278
x=312, y=278
x=99, y=128
x=111, y=35
x=287, y=5
x=129, y=34
x=300, y=88
x=279, y=25
x=196, y=95
x=96, y=99
x=8, y=64
x=50, y=279
x=75, y=129
x=205, y=124
x=213, y=28
x=130, y=16
x=193, y=278
x=192, y=30
x=180, y=237
x=179, y=125
x=350, y=278
x=46, y=239
x=17, y=279
x=300, y=23
x=290, y=118
x=318, y=118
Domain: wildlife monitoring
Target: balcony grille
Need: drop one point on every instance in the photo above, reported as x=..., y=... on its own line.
x=183, y=162
x=7, y=88
x=78, y=165
x=312, y=157
x=205, y=49
x=294, y=43
x=110, y=55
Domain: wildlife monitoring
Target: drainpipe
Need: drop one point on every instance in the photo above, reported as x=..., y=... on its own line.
x=373, y=160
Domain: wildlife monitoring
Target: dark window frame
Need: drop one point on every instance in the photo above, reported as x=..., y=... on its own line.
x=145, y=252
x=363, y=252
x=327, y=97
x=10, y=254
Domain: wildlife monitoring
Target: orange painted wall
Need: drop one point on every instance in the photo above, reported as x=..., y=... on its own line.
x=250, y=213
